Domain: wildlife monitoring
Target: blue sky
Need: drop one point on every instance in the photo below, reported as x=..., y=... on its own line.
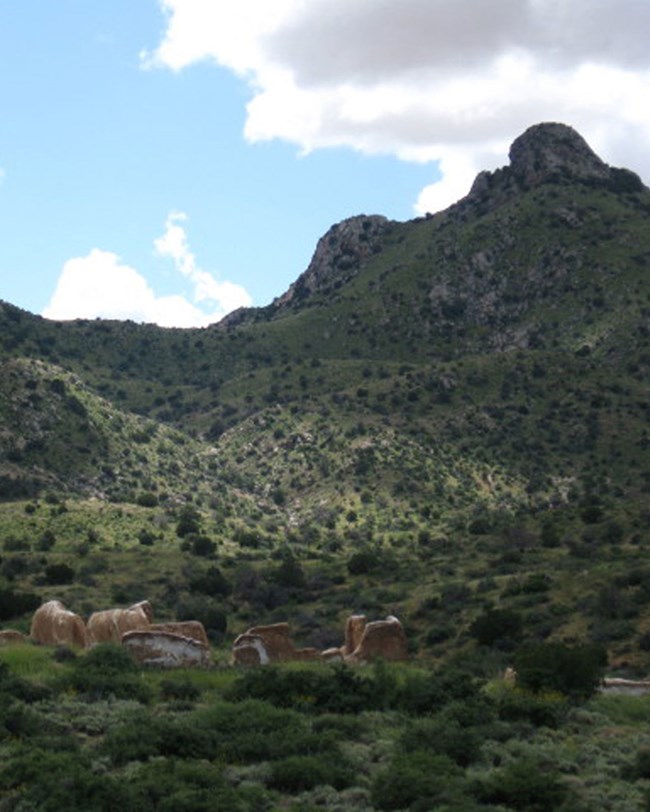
x=168, y=160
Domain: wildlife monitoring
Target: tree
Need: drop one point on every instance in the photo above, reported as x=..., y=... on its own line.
x=575, y=671
x=496, y=626
x=189, y=521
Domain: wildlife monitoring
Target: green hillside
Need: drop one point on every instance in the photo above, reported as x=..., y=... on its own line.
x=439, y=418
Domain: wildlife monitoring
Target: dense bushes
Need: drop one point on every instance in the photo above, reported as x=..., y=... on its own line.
x=240, y=733
x=106, y=671
x=14, y=604
x=523, y=785
x=391, y=736
x=499, y=627
x=340, y=689
x=417, y=781
x=574, y=671
x=300, y=773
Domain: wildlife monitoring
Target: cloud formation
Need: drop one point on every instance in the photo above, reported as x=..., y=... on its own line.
x=100, y=285
x=450, y=81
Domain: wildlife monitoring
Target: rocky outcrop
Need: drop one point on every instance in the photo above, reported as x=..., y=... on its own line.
x=186, y=628
x=628, y=687
x=54, y=625
x=355, y=626
x=11, y=637
x=380, y=639
x=364, y=642
x=109, y=625
x=166, y=650
x=547, y=152
x=263, y=645
x=339, y=255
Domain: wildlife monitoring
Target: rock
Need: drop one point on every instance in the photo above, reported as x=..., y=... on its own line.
x=166, y=650
x=547, y=152
x=381, y=639
x=109, y=625
x=262, y=645
x=54, y=625
x=354, y=628
x=338, y=256
x=332, y=655
x=550, y=149
x=10, y=637
x=187, y=628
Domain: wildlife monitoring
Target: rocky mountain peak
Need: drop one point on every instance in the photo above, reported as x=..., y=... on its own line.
x=549, y=148
x=547, y=152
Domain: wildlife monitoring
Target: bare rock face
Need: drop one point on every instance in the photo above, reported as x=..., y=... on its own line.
x=547, y=149
x=381, y=639
x=354, y=629
x=339, y=255
x=364, y=642
x=263, y=645
x=109, y=625
x=54, y=625
x=166, y=650
x=547, y=152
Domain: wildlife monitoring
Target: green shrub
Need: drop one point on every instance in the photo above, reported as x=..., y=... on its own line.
x=417, y=778
x=640, y=768
x=252, y=731
x=515, y=705
x=300, y=773
x=52, y=779
x=179, y=689
x=206, y=610
x=14, y=604
x=146, y=736
x=199, y=545
x=442, y=736
x=363, y=562
x=211, y=582
x=58, y=574
x=147, y=499
x=189, y=521
x=523, y=785
x=338, y=689
x=172, y=785
x=574, y=671
x=496, y=626
x=106, y=671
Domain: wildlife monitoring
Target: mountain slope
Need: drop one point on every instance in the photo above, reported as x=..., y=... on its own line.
x=439, y=417
x=524, y=303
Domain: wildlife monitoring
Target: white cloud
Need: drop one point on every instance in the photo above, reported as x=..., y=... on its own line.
x=100, y=285
x=224, y=296
x=452, y=81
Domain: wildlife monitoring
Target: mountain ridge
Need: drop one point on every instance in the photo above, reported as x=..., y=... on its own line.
x=454, y=409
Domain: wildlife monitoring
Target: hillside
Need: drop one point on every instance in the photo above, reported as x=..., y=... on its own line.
x=462, y=399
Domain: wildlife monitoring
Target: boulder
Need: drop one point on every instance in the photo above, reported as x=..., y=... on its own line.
x=109, y=625
x=54, y=625
x=354, y=629
x=10, y=636
x=381, y=639
x=262, y=645
x=332, y=655
x=166, y=650
x=186, y=628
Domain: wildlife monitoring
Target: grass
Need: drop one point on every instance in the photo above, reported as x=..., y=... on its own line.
x=29, y=662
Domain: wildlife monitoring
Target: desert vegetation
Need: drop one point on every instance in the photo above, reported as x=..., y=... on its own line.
x=446, y=421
